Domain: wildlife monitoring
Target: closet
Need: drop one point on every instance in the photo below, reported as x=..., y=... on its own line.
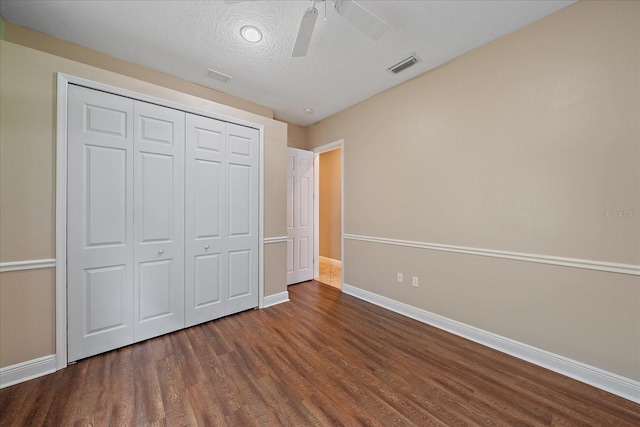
x=162, y=223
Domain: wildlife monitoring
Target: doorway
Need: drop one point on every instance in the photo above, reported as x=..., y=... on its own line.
x=328, y=207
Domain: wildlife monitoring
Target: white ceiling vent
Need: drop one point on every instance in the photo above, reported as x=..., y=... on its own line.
x=404, y=64
x=218, y=75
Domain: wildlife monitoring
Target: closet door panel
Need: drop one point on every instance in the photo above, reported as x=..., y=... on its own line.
x=99, y=222
x=242, y=211
x=159, y=219
x=239, y=273
x=205, y=221
x=207, y=198
x=207, y=281
x=239, y=200
x=155, y=290
x=106, y=294
x=106, y=196
x=157, y=174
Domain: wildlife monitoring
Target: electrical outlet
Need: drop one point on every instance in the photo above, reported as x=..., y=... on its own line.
x=399, y=276
x=414, y=281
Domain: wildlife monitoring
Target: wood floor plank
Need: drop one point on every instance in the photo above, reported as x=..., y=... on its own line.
x=121, y=388
x=44, y=398
x=149, y=407
x=70, y=410
x=322, y=359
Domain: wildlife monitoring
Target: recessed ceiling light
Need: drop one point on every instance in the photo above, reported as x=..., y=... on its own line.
x=251, y=34
x=308, y=110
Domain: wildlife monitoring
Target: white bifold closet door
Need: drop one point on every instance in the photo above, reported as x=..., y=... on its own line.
x=206, y=220
x=130, y=201
x=100, y=243
x=222, y=208
x=242, y=210
x=125, y=221
x=158, y=223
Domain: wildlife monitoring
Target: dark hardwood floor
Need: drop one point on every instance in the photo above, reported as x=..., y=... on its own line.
x=324, y=359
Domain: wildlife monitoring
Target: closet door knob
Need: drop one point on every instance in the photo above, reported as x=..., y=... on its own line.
x=206, y=247
x=161, y=251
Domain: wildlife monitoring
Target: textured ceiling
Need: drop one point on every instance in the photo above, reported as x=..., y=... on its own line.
x=343, y=66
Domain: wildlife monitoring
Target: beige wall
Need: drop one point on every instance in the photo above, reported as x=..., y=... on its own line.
x=330, y=220
x=27, y=187
x=27, y=315
x=517, y=146
x=297, y=136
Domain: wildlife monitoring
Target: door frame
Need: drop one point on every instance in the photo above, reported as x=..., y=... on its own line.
x=316, y=204
x=62, y=83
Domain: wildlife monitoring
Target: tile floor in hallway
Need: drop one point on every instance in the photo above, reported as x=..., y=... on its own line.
x=330, y=274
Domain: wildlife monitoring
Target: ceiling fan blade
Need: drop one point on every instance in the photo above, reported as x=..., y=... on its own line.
x=366, y=21
x=304, y=33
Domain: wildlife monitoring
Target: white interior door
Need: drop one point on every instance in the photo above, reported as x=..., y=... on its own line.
x=158, y=220
x=206, y=220
x=242, y=164
x=299, y=215
x=100, y=222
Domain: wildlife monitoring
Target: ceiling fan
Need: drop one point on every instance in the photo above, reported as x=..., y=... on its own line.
x=357, y=15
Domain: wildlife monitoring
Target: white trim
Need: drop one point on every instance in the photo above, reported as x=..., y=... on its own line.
x=279, y=298
x=541, y=259
x=608, y=381
x=69, y=79
x=328, y=147
x=279, y=239
x=63, y=81
x=330, y=261
x=61, y=221
x=316, y=203
x=261, y=218
x=32, y=264
x=316, y=215
x=25, y=371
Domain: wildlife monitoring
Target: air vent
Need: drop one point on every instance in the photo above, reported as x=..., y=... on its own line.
x=404, y=64
x=218, y=75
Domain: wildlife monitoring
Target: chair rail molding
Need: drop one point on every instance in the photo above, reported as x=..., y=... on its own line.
x=278, y=239
x=610, y=267
x=32, y=264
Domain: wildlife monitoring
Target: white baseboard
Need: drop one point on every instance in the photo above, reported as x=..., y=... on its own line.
x=28, y=370
x=276, y=299
x=330, y=261
x=608, y=381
